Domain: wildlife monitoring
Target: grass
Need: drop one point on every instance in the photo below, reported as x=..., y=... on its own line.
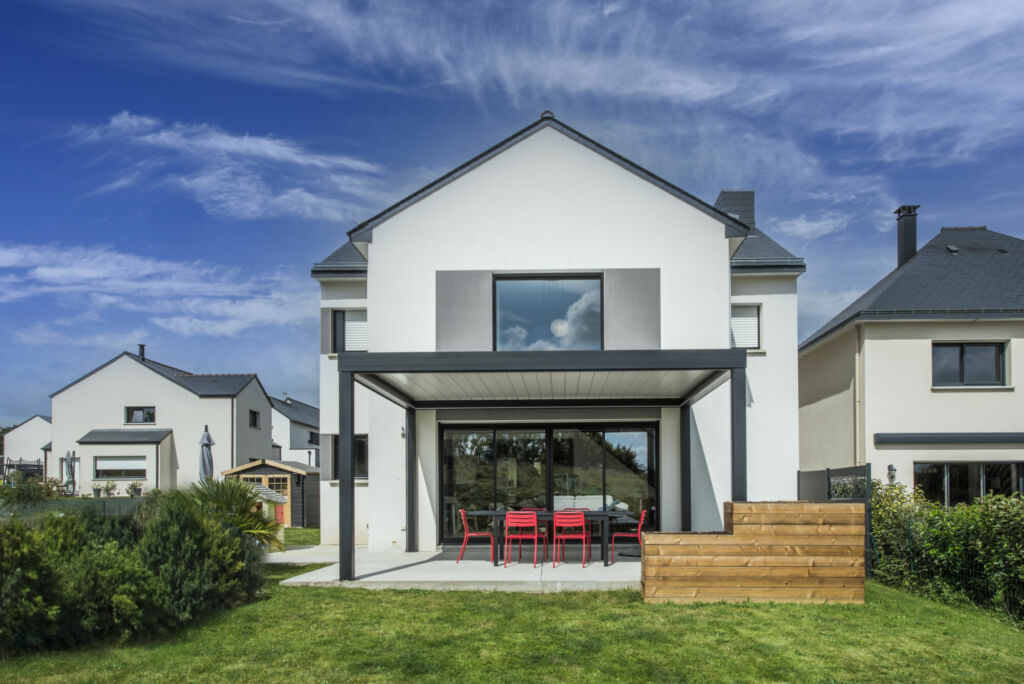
x=312, y=634
x=301, y=536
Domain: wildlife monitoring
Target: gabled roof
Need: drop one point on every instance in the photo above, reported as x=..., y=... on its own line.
x=202, y=384
x=288, y=466
x=346, y=261
x=48, y=419
x=758, y=253
x=960, y=273
x=363, y=231
x=125, y=436
x=297, y=411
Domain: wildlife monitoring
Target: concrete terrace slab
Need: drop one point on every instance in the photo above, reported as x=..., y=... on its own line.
x=438, y=571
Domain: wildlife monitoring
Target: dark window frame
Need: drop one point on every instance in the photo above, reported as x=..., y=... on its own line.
x=336, y=443
x=496, y=277
x=549, y=429
x=314, y=438
x=962, y=346
x=338, y=340
x=254, y=419
x=1017, y=475
x=129, y=409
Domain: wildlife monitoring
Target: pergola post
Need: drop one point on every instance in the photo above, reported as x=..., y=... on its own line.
x=685, y=476
x=410, y=481
x=738, y=406
x=345, y=461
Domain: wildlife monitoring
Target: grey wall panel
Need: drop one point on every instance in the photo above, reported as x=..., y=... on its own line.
x=325, y=331
x=632, y=308
x=464, y=311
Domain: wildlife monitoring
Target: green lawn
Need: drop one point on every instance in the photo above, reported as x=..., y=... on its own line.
x=307, y=634
x=301, y=536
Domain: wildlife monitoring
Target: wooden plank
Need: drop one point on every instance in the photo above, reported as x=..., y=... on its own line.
x=769, y=593
x=798, y=518
x=662, y=539
x=784, y=529
x=796, y=507
x=852, y=561
x=742, y=573
x=684, y=601
x=753, y=550
x=754, y=582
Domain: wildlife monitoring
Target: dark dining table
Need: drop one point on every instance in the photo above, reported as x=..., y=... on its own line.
x=603, y=517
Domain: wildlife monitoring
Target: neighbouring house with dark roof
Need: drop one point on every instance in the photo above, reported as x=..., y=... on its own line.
x=25, y=446
x=917, y=376
x=552, y=325
x=296, y=430
x=134, y=419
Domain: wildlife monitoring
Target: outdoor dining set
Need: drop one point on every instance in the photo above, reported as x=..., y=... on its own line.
x=542, y=527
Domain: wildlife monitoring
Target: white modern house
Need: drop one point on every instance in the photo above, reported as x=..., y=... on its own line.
x=917, y=376
x=27, y=443
x=552, y=325
x=135, y=419
x=295, y=430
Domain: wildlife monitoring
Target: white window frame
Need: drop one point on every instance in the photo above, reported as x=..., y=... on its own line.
x=135, y=459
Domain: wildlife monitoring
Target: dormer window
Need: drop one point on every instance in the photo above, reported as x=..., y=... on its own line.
x=548, y=313
x=140, y=414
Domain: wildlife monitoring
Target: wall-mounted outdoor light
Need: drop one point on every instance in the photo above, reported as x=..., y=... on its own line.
x=892, y=473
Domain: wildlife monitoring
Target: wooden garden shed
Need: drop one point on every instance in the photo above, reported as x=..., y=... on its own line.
x=299, y=482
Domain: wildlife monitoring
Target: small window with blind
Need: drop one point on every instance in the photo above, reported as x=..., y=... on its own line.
x=120, y=467
x=350, y=331
x=745, y=326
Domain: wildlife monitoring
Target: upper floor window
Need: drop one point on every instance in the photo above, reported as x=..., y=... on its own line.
x=139, y=414
x=254, y=419
x=534, y=313
x=349, y=330
x=314, y=437
x=745, y=326
x=968, y=363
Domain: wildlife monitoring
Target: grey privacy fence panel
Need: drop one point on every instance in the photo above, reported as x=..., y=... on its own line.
x=852, y=484
x=110, y=507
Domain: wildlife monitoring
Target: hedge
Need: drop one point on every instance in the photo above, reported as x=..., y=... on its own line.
x=972, y=552
x=74, y=579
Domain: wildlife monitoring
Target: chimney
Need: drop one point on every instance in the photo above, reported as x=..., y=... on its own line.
x=142, y=352
x=906, y=229
x=738, y=203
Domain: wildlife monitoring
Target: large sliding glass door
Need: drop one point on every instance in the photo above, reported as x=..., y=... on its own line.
x=598, y=467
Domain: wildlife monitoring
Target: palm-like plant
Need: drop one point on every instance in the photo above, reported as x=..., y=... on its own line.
x=234, y=503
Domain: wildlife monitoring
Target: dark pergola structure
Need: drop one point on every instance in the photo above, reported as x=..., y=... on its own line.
x=436, y=380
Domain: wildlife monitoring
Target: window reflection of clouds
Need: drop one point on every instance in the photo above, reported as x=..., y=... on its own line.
x=548, y=314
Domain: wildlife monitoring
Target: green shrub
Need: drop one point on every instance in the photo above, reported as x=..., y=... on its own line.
x=29, y=603
x=971, y=552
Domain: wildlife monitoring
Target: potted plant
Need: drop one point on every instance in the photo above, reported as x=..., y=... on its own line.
x=110, y=489
x=96, y=489
x=134, y=489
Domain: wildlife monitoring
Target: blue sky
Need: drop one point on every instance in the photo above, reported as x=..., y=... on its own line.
x=169, y=171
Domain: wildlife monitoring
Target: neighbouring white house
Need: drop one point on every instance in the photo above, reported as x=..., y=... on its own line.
x=26, y=444
x=296, y=431
x=918, y=377
x=135, y=419
x=552, y=325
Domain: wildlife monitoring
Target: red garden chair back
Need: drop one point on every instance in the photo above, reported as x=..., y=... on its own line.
x=570, y=525
x=522, y=526
x=467, y=534
x=638, y=534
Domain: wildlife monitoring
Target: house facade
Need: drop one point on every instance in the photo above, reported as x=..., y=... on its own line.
x=135, y=419
x=295, y=430
x=26, y=445
x=551, y=325
x=916, y=377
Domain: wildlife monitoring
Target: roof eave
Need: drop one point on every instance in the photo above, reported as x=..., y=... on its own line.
x=912, y=315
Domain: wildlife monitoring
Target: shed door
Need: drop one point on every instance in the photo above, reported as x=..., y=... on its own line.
x=279, y=513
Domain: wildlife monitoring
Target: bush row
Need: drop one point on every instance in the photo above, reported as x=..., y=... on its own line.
x=971, y=551
x=73, y=579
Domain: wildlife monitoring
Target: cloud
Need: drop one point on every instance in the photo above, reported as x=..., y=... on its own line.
x=809, y=228
x=236, y=176
x=187, y=298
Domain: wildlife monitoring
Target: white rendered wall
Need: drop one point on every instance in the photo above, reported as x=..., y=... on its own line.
x=710, y=459
x=827, y=424
x=252, y=443
x=286, y=432
x=386, y=495
x=549, y=204
x=670, y=475
x=27, y=440
x=773, y=412
x=428, y=496
x=899, y=396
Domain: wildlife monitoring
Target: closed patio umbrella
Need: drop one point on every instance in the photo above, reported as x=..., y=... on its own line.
x=69, y=472
x=205, y=455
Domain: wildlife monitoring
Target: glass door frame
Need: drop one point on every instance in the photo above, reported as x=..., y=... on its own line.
x=548, y=429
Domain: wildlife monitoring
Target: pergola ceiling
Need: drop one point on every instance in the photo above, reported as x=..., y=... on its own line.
x=541, y=385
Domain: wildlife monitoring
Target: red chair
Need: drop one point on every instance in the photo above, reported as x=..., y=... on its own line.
x=520, y=526
x=565, y=520
x=543, y=528
x=465, y=539
x=631, y=535
x=595, y=528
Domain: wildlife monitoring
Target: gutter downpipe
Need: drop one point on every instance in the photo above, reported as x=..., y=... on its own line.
x=858, y=399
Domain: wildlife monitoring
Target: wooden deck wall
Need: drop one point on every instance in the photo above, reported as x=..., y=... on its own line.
x=794, y=552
